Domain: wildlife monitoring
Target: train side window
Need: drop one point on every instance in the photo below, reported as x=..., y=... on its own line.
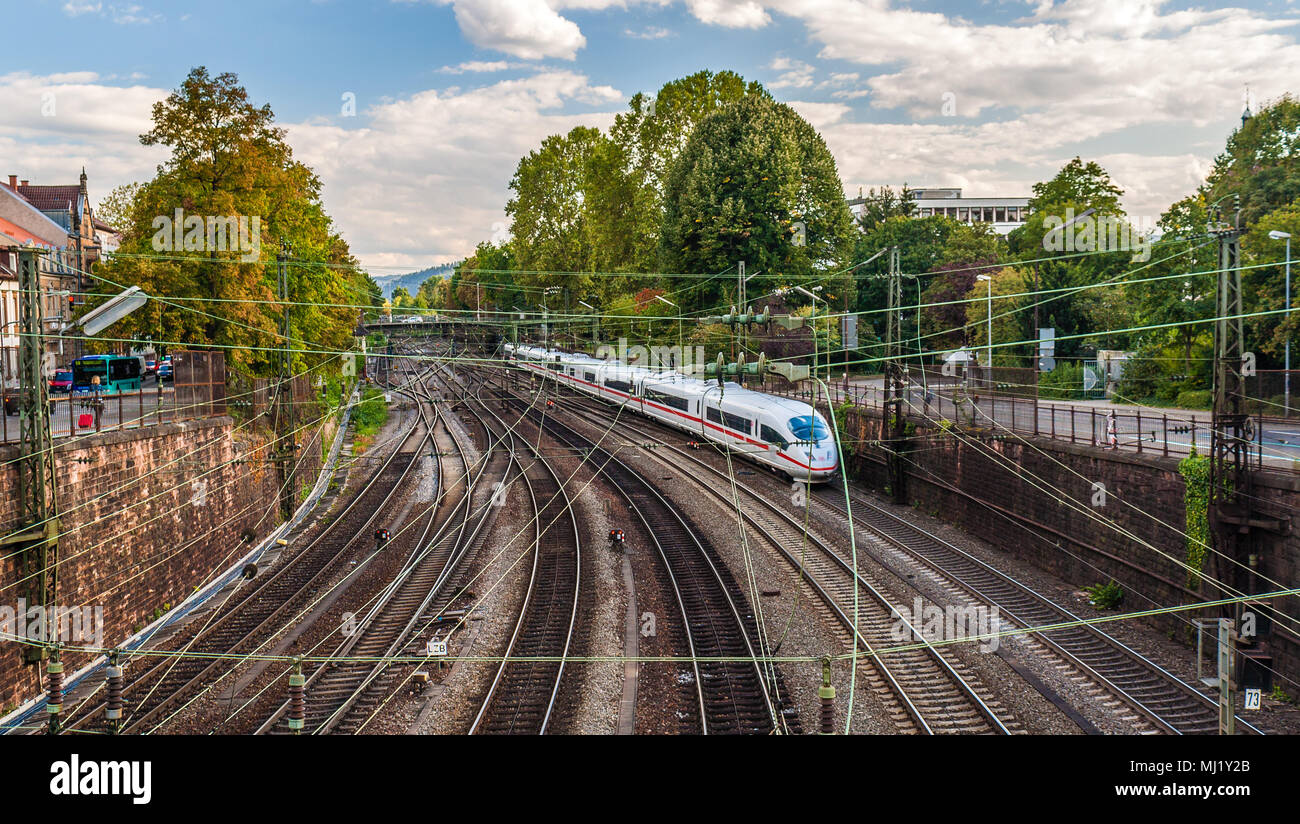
x=770, y=435
x=738, y=423
x=713, y=414
x=590, y=376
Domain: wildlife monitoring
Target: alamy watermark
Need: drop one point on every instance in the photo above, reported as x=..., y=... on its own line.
x=80, y=626
x=1093, y=233
x=653, y=357
x=210, y=233
x=932, y=624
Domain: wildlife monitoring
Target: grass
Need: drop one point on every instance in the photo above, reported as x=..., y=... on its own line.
x=368, y=418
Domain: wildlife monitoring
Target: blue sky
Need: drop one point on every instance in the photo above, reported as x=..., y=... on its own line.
x=450, y=94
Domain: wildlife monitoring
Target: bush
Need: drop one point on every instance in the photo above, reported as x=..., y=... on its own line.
x=1064, y=383
x=1105, y=596
x=1194, y=399
x=371, y=413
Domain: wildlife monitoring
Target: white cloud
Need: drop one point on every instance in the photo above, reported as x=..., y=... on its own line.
x=427, y=178
x=648, y=33
x=735, y=14
x=795, y=74
x=481, y=66
x=56, y=124
x=528, y=29
x=121, y=14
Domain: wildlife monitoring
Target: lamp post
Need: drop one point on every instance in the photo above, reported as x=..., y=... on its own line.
x=804, y=291
x=594, y=321
x=989, y=281
x=1286, y=376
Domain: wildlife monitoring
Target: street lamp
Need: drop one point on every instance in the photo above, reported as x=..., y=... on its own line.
x=804, y=291
x=662, y=299
x=989, y=280
x=1286, y=376
x=594, y=320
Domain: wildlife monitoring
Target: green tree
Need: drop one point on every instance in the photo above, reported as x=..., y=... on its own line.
x=1261, y=162
x=877, y=207
x=550, y=214
x=229, y=159
x=1078, y=182
x=645, y=140
x=754, y=183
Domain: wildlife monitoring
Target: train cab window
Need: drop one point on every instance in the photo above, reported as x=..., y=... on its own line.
x=809, y=428
x=770, y=435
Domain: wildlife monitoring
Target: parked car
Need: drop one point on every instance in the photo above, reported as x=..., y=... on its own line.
x=150, y=366
x=165, y=371
x=61, y=382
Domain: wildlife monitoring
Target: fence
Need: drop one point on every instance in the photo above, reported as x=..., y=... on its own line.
x=198, y=391
x=1144, y=431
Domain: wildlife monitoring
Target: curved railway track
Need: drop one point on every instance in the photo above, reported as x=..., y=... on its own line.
x=1168, y=702
x=521, y=698
x=1162, y=698
x=249, y=614
x=735, y=692
x=935, y=694
x=343, y=695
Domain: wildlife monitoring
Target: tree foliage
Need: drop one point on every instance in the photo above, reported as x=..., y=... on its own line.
x=228, y=159
x=754, y=183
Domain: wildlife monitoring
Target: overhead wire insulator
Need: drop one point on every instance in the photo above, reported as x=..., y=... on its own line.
x=297, y=698
x=827, y=695
x=54, y=690
x=113, y=688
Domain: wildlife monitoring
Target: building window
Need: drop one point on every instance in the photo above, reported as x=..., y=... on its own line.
x=1000, y=214
x=963, y=213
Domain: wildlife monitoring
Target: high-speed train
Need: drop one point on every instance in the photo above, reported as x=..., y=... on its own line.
x=786, y=435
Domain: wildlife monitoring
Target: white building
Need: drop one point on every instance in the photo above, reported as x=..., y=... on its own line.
x=1004, y=213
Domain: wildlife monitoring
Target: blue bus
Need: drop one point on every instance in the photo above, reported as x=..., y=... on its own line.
x=116, y=373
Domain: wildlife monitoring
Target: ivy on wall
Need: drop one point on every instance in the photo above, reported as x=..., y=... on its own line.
x=1195, y=470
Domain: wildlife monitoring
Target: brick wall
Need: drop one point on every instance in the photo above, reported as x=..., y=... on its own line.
x=1010, y=490
x=146, y=516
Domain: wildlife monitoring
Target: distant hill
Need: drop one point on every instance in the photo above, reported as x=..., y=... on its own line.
x=412, y=280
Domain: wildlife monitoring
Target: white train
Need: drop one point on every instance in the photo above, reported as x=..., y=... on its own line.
x=786, y=435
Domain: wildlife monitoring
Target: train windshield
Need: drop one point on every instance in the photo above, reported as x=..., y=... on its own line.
x=808, y=428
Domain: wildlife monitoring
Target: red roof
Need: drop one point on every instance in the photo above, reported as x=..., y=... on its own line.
x=51, y=198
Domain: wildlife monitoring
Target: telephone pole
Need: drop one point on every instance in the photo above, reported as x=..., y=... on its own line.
x=894, y=387
x=286, y=449
x=1238, y=520
x=36, y=541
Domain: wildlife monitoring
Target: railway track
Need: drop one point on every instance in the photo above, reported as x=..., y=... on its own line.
x=735, y=692
x=342, y=696
x=928, y=692
x=253, y=609
x=1164, y=700
x=1168, y=702
x=521, y=698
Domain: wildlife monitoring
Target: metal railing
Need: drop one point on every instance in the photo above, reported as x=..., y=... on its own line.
x=1141, y=430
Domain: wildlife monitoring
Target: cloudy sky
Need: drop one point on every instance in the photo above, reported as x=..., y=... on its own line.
x=414, y=112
